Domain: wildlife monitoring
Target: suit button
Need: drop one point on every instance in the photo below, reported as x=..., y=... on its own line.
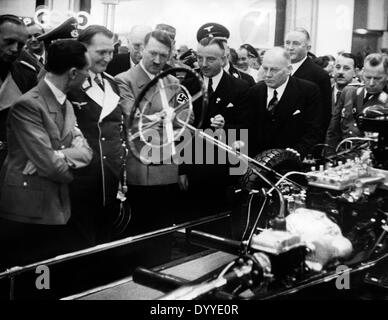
x=350, y=132
x=355, y=125
x=25, y=184
x=63, y=147
x=104, y=157
x=103, y=139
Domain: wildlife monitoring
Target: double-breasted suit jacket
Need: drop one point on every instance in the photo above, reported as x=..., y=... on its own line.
x=100, y=119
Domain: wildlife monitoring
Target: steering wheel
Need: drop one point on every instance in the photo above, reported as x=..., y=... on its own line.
x=161, y=114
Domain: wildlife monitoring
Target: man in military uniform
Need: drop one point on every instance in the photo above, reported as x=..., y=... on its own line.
x=344, y=74
x=99, y=116
x=355, y=99
x=17, y=76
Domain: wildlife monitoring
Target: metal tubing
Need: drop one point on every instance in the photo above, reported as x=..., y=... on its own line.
x=111, y=245
x=214, y=242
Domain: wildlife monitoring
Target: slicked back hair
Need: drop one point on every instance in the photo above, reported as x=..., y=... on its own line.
x=62, y=55
x=376, y=59
x=220, y=42
x=87, y=34
x=350, y=56
x=160, y=36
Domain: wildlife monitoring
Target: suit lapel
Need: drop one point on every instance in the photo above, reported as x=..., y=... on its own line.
x=52, y=104
x=69, y=122
x=142, y=80
x=287, y=102
x=111, y=99
x=95, y=93
x=220, y=97
x=107, y=100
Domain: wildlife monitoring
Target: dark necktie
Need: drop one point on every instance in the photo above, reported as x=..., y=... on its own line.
x=99, y=83
x=274, y=101
x=337, y=97
x=210, y=87
x=41, y=60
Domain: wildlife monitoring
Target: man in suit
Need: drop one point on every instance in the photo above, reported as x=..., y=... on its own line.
x=344, y=73
x=100, y=118
x=152, y=188
x=45, y=148
x=225, y=110
x=354, y=99
x=17, y=74
x=124, y=61
x=287, y=110
x=34, y=46
x=298, y=44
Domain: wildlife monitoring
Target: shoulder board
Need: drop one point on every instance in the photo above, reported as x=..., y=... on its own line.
x=28, y=65
x=108, y=76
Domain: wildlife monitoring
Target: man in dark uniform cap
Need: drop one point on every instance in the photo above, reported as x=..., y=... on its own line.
x=225, y=110
x=17, y=76
x=66, y=30
x=213, y=30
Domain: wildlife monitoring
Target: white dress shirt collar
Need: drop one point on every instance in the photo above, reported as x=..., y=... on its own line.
x=227, y=67
x=216, y=80
x=38, y=57
x=280, y=90
x=59, y=95
x=296, y=66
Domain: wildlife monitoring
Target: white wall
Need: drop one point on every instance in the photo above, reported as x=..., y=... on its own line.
x=24, y=8
x=335, y=26
x=329, y=22
x=241, y=17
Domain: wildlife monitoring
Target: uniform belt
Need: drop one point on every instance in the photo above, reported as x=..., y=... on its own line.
x=3, y=145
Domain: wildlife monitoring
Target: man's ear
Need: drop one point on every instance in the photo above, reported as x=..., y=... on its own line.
x=72, y=73
x=308, y=47
x=289, y=68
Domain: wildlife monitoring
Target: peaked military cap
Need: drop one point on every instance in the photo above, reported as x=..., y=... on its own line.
x=212, y=30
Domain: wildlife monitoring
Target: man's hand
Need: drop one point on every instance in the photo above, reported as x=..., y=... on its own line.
x=29, y=169
x=218, y=122
x=183, y=182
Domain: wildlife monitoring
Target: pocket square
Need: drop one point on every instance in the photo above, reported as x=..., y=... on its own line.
x=296, y=112
x=230, y=105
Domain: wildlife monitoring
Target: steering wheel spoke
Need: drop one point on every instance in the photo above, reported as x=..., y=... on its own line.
x=159, y=119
